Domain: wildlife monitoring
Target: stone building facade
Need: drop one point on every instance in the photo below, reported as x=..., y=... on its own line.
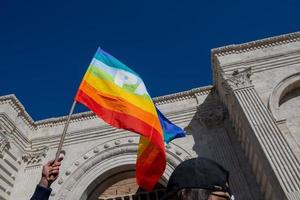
x=249, y=121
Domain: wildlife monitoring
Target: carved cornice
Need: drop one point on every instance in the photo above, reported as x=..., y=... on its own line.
x=61, y=120
x=34, y=125
x=12, y=100
x=239, y=79
x=258, y=44
x=180, y=96
x=35, y=156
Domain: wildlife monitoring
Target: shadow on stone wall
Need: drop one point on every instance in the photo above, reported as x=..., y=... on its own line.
x=206, y=125
x=214, y=139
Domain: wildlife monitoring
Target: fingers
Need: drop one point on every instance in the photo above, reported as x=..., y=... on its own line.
x=61, y=157
x=54, y=172
x=56, y=164
x=50, y=162
x=54, y=168
x=51, y=169
x=58, y=161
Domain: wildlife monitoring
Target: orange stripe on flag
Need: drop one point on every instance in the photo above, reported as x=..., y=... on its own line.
x=108, y=87
x=115, y=118
x=120, y=105
x=119, y=97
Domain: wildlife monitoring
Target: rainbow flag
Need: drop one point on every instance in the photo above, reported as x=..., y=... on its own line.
x=118, y=95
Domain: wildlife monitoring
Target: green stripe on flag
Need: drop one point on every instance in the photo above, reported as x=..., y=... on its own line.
x=113, y=62
x=100, y=73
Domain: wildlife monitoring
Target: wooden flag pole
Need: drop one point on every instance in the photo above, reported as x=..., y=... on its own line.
x=64, y=131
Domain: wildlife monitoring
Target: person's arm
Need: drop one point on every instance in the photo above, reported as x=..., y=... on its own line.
x=49, y=175
x=41, y=193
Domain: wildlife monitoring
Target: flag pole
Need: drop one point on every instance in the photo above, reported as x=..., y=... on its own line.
x=64, y=131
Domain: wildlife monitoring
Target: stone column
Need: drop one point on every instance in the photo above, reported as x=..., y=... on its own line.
x=273, y=163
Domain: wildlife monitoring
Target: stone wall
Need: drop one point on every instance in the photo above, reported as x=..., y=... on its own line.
x=247, y=121
x=96, y=152
x=250, y=79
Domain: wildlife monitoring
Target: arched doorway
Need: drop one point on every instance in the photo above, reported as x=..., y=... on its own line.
x=102, y=168
x=121, y=184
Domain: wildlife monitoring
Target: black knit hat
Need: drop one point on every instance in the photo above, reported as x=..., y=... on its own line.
x=201, y=173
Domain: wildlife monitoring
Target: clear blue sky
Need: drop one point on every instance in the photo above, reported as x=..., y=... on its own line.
x=46, y=46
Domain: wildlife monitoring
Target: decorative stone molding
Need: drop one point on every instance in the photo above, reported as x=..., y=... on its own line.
x=211, y=118
x=18, y=107
x=240, y=79
x=285, y=86
x=4, y=143
x=62, y=120
x=60, y=181
x=175, y=153
x=34, y=125
x=272, y=144
x=190, y=94
x=258, y=44
x=122, y=150
x=35, y=156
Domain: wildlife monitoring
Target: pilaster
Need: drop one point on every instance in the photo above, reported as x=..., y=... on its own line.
x=273, y=163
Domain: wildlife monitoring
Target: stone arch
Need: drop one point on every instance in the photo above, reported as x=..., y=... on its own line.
x=281, y=93
x=102, y=161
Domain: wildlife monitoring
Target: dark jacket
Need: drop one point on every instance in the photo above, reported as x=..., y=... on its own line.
x=41, y=193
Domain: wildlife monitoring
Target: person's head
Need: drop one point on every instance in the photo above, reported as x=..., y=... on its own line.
x=198, y=194
x=198, y=179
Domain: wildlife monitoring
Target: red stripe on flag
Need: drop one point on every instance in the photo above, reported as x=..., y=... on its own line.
x=118, y=120
x=150, y=166
x=152, y=162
